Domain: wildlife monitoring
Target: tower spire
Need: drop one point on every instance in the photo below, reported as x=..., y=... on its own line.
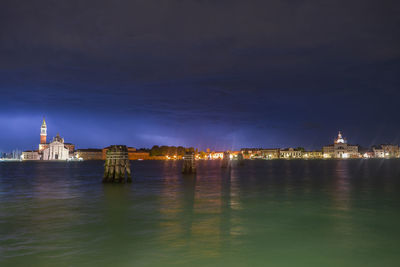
x=43, y=132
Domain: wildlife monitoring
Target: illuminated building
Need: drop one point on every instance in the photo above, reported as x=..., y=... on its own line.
x=30, y=155
x=340, y=149
x=386, y=151
x=56, y=150
x=89, y=154
x=313, y=155
x=270, y=153
x=235, y=154
x=378, y=152
x=368, y=154
x=250, y=153
x=140, y=155
x=261, y=153
x=391, y=151
x=216, y=155
x=133, y=154
x=290, y=153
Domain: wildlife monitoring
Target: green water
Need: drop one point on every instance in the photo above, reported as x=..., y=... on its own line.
x=265, y=213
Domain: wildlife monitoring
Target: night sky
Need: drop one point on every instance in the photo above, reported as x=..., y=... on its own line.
x=220, y=74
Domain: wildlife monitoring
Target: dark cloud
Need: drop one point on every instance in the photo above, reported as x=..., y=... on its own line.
x=265, y=71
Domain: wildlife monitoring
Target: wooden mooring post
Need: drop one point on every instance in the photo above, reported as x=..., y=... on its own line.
x=240, y=159
x=117, y=165
x=189, y=163
x=226, y=159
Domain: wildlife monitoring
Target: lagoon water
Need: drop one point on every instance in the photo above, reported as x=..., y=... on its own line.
x=265, y=213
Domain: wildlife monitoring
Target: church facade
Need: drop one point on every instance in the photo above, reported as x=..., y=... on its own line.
x=340, y=149
x=56, y=150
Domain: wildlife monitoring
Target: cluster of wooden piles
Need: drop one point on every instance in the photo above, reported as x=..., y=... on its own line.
x=226, y=160
x=240, y=159
x=189, y=163
x=117, y=167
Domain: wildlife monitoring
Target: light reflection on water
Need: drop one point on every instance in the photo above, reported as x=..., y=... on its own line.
x=278, y=213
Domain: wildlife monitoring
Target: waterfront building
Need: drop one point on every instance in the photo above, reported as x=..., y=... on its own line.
x=368, y=154
x=391, y=151
x=378, y=152
x=245, y=153
x=43, y=140
x=104, y=151
x=265, y=153
x=235, y=154
x=290, y=153
x=133, y=154
x=313, y=154
x=386, y=151
x=56, y=150
x=89, y=154
x=249, y=153
x=270, y=153
x=340, y=149
x=216, y=155
x=30, y=155
x=142, y=155
x=70, y=147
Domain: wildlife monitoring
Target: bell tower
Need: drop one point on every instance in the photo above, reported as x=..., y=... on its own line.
x=43, y=132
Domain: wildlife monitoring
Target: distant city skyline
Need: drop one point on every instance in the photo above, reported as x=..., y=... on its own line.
x=96, y=140
x=57, y=149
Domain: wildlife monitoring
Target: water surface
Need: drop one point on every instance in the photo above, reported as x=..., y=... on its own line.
x=265, y=213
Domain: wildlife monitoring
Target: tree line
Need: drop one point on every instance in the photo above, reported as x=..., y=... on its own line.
x=170, y=150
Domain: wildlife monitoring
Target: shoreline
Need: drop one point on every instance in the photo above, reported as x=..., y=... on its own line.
x=258, y=159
